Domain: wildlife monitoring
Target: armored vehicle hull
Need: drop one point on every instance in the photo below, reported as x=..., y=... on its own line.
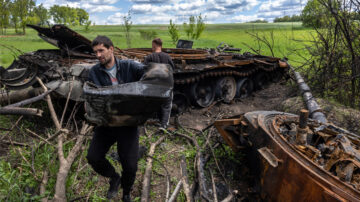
x=200, y=76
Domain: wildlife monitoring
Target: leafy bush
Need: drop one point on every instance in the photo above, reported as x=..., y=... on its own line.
x=87, y=25
x=192, y=30
x=148, y=34
x=173, y=32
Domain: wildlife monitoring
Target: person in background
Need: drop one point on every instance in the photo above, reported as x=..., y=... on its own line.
x=112, y=71
x=157, y=56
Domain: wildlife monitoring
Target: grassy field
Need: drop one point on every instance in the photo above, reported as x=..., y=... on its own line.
x=234, y=34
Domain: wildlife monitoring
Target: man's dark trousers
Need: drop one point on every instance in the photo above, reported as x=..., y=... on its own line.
x=127, y=139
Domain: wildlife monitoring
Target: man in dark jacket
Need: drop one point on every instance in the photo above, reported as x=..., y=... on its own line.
x=160, y=57
x=112, y=71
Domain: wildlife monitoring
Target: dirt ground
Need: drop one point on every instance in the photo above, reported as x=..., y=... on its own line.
x=268, y=99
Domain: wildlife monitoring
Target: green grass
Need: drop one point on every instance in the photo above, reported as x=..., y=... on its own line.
x=234, y=34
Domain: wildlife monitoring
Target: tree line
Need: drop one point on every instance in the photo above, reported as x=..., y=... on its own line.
x=287, y=18
x=18, y=13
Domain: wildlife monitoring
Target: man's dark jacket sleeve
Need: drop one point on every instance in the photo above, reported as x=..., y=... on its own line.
x=128, y=71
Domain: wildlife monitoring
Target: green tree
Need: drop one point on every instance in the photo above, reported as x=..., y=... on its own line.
x=192, y=30
x=67, y=15
x=42, y=13
x=200, y=26
x=4, y=15
x=87, y=25
x=72, y=17
x=23, y=9
x=83, y=16
x=127, y=26
x=189, y=28
x=14, y=19
x=57, y=14
x=173, y=32
x=314, y=14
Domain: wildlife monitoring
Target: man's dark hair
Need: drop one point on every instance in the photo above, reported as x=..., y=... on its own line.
x=157, y=41
x=102, y=40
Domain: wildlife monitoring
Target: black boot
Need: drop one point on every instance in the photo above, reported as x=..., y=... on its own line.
x=126, y=198
x=114, y=186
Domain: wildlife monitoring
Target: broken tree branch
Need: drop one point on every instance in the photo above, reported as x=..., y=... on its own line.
x=65, y=163
x=38, y=136
x=176, y=191
x=50, y=105
x=43, y=185
x=199, y=167
x=20, y=111
x=167, y=176
x=185, y=180
x=230, y=197
x=147, y=176
x=19, y=95
x=30, y=100
x=213, y=186
x=67, y=102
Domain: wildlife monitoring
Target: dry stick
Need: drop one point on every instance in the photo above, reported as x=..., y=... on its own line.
x=213, y=186
x=176, y=191
x=199, y=166
x=167, y=177
x=38, y=136
x=43, y=185
x=185, y=180
x=65, y=163
x=230, y=197
x=12, y=127
x=27, y=161
x=51, y=106
x=20, y=111
x=14, y=143
x=147, y=176
x=67, y=102
x=217, y=164
x=30, y=100
x=78, y=168
x=57, y=133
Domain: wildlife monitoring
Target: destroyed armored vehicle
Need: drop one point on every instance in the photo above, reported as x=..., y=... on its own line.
x=323, y=166
x=200, y=76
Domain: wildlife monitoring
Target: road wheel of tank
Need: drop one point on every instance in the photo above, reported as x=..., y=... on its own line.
x=226, y=88
x=244, y=87
x=180, y=103
x=261, y=80
x=202, y=93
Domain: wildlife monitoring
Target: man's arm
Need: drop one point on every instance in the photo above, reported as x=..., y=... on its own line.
x=147, y=60
x=137, y=69
x=171, y=63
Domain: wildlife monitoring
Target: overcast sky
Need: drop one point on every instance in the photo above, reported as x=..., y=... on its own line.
x=161, y=11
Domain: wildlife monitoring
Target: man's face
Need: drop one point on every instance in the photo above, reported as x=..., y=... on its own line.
x=154, y=47
x=103, y=54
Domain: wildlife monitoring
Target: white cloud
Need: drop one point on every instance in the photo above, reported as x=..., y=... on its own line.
x=159, y=19
x=231, y=6
x=161, y=11
x=98, y=8
x=100, y=2
x=245, y=18
x=116, y=19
